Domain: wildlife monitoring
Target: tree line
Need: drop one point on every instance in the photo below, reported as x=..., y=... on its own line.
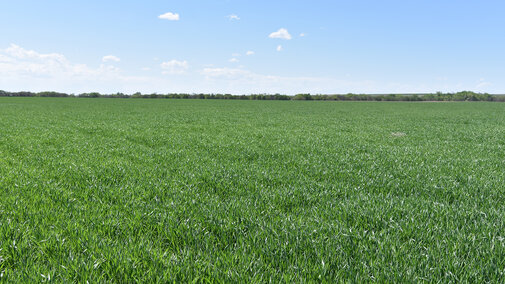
x=439, y=96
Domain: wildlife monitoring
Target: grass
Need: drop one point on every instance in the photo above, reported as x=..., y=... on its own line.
x=251, y=191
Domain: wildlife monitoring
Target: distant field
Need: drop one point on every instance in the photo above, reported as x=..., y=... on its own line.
x=251, y=191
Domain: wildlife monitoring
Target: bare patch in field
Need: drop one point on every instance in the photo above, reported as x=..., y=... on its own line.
x=398, y=134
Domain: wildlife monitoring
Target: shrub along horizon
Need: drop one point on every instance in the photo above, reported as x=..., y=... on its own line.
x=439, y=96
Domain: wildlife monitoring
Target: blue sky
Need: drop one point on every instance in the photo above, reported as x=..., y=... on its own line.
x=245, y=47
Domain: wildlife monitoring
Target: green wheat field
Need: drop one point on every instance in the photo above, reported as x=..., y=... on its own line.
x=135, y=190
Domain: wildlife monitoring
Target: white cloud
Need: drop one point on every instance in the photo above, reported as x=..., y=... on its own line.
x=243, y=81
x=175, y=67
x=235, y=54
x=233, y=60
x=303, y=34
x=14, y=52
x=169, y=16
x=249, y=53
x=233, y=17
x=239, y=81
x=24, y=69
x=21, y=68
x=226, y=73
x=109, y=58
x=279, y=48
x=281, y=33
x=482, y=85
x=145, y=68
x=17, y=61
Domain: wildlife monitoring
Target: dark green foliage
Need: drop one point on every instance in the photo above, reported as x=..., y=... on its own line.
x=460, y=96
x=90, y=95
x=302, y=97
x=51, y=94
x=251, y=191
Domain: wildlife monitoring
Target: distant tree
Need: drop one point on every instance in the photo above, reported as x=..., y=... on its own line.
x=302, y=97
x=51, y=94
x=90, y=95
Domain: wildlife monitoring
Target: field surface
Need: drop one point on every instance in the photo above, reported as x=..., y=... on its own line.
x=128, y=190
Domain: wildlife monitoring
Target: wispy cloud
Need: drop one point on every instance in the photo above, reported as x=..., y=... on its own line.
x=175, y=67
x=233, y=60
x=279, y=48
x=239, y=80
x=25, y=69
x=17, y=61
x=170, y=16
x=482, y=84
x=53, y=71
x=109, y=58
x=233, y=17
x=248, y=53
x=281, y=33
